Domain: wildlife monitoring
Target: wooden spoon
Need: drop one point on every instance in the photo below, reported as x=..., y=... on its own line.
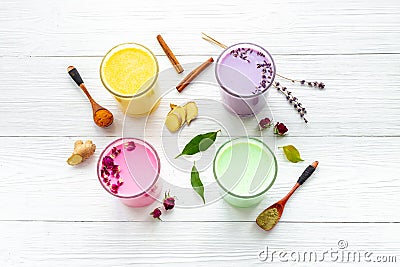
x=101, y=116
x=271, y=215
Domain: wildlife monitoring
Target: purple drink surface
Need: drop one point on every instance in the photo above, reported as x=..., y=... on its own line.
x=138, y=167
x=245, y=70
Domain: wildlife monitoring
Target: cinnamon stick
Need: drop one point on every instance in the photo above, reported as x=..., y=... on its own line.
x=193, y=74
x=169, y=54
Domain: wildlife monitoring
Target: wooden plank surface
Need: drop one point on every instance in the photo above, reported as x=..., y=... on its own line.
x=354, y=103
x=191, y=243
x=87, y=28
x=56, y=191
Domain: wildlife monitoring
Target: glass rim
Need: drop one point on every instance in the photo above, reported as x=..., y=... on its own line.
x=252, y=196
x=143, y=190
x=129, y=44
x=237, y=95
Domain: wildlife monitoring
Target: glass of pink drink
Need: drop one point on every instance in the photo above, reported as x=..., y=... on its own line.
x=129, y=168
x=244, y=72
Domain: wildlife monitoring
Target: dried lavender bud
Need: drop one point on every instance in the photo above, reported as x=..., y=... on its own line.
x=292, y=100
x=316, y=84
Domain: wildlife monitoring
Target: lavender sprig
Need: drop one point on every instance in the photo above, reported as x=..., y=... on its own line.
x=319, y=85
x=292, y=100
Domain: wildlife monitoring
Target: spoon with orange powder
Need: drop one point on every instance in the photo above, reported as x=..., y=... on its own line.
x=101, y=116
x=271, y=215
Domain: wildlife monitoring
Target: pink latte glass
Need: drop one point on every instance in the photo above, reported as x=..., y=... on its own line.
x=129, y=168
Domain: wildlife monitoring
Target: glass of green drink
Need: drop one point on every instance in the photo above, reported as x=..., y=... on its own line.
x=244, y=168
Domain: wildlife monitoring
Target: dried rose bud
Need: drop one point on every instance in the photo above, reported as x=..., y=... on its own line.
x=280, y=129
x=169, y=202
x=114, y=188
x=156, y=213
x=265, y=123
x=108, y=162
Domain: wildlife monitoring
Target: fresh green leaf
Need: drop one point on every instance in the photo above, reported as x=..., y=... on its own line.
x=292, y=154
x=199, y=143
x=196, y=182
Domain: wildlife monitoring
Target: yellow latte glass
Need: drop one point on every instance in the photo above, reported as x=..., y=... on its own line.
x=130, y=73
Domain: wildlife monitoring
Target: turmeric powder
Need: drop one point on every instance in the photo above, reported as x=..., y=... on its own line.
x=103, y=118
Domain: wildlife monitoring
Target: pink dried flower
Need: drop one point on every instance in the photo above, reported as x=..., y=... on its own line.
x=169, y=202
x=115, y=170
x=114, y=188
x=156, y=213
x=265, y=123
x=105, y=173
x=280, y=129
x=130, y=146
x=115, y=152
x=108, y=162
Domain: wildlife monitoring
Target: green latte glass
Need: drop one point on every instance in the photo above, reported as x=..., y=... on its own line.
x=244, y=168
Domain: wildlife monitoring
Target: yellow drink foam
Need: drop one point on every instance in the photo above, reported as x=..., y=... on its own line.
x=128, y=69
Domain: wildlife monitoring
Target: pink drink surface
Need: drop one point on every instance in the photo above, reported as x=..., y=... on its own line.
x=245, y=70
x=138, y=168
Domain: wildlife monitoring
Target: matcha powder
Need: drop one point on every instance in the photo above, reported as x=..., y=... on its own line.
x=268, y=218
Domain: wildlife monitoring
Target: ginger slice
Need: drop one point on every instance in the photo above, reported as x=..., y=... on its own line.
x=191, y=111
x=173, y=122
x=180, y=112
x=75, y=159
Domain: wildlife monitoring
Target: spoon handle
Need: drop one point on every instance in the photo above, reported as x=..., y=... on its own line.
x=73, y=72
x=307, y=173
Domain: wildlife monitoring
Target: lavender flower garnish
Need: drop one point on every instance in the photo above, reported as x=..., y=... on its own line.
x=292, y=100
x=319, y=85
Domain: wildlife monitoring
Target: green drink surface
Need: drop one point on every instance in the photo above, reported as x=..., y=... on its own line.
x=245, y=167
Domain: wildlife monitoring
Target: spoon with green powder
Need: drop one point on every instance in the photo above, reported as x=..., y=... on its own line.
x=271, y=215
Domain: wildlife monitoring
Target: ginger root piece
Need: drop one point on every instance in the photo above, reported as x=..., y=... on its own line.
x=173, y=122
x=191, y=111
x=82, y=151
x=180, y=112
x=178, y=115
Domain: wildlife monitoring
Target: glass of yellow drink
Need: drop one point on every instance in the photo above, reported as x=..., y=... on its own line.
x=129, y=72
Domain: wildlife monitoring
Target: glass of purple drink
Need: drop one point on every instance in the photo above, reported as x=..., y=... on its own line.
x=245, y=72
x=129, y=168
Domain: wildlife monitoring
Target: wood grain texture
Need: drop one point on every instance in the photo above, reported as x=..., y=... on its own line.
x=355, y=102
x=183, y=244
x=83, y=28
x=57, y=191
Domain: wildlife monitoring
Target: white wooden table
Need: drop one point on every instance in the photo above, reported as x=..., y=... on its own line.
x=56, y=215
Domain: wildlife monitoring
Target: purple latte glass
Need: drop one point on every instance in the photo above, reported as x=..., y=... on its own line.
x=245, y=72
